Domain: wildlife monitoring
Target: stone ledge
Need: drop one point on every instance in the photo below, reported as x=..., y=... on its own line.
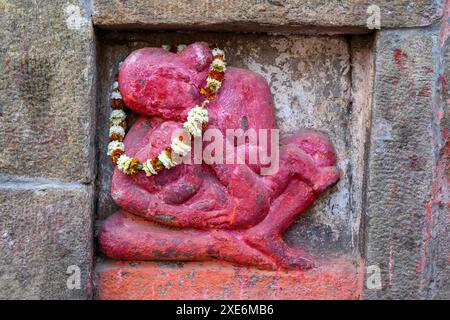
x=258, y=15
x=333, y=279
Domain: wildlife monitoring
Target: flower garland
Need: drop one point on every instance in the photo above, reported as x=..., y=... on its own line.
x=196, y=121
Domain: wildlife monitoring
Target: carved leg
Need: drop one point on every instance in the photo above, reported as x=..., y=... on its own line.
x=127, y=194
x=267, y=236
x=125, y=236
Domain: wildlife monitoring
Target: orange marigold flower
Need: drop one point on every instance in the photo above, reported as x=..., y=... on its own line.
x=208, y=93
x=123, y=124
x=116, y=154
x=218, y=75
x=134, y=166
x=117, y=103
x=157, y=164
x=116, y=136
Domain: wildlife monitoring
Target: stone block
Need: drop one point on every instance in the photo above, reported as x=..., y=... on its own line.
x=435, y=265
x=263, y=15
x=45, y=227
x=47, y=90
x=401, y=163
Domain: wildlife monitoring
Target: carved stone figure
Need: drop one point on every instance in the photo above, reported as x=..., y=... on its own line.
x=199, y=212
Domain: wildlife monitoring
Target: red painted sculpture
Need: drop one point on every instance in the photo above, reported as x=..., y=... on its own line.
x=200, y=212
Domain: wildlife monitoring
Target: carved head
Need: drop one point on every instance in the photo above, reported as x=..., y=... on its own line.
x=153, y=81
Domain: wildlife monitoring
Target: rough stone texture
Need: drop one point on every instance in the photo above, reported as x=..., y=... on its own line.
x=402, y=208
x=46, y=90
x=435, y=266
x=440, y=277
x=336, y=279
x=47, y=134
x=44, y=228
x=262, y=15
x=310, y=81
x=360, y=119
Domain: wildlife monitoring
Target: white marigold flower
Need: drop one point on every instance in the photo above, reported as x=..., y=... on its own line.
x=218, y=52
x=117, y=130
x=117, y=116
x=180, y=148
x=166, y=160
x=123, y=163
x=115, y=145
x=116, y=122
x=213, y=84
x=193, y=128
x=219, y=65
x=196, y=117
x=116, y=95
x=166, y=47
x=181, y=47
x=148, y=168
x=198, y=114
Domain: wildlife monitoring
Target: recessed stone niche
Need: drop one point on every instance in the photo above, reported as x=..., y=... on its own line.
x=320, y=82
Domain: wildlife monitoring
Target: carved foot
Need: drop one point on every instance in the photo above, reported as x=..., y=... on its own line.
x=273, y=246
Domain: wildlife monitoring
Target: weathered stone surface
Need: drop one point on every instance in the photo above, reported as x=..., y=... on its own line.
x=335, y=279
x=439, y=276
x=435, y=266
x=360, y=123
x=45, y=228
x=46, y=90
x=310, y=81
x=401, y=164
x=47, y=87
x=263, y=15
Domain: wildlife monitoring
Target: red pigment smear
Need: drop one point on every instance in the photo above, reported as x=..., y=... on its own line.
x=137, y=87
x=441, y=175
x=428, y=213
x=419, y=266
x=22, y=67
x=414, y=160
x=399, y=57
x=443, y=83
x=394, y=191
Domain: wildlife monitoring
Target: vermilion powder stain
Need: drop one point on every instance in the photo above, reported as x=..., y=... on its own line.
x=399, y=56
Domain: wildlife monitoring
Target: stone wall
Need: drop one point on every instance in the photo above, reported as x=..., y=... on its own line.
x=381, y=95
x=47, y=165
